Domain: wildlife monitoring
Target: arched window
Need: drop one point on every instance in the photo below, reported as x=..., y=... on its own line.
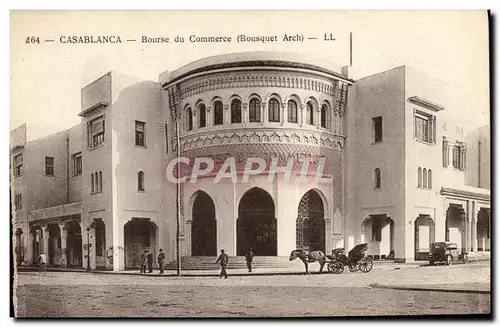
x=92, y=181
x=236, y=111
x=202, y=111
x=140, y=181
x=218, y=113
x=274, y=110
x=324, y=113
x=429, y=178
x=310, y=114
x=292, y=111
x=189, y=119
x=254, y=110
x=376, y=178
x=424, y=184
x=419, y=177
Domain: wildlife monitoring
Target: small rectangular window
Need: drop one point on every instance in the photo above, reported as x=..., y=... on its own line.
x=377, y=129
x=18, y=201
x=95, y=130
x=140, y=130
x=18, y=165
x=77, y=164
x=49, y=166
x=425, y=127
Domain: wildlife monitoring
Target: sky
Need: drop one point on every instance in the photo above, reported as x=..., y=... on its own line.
x=46, y=78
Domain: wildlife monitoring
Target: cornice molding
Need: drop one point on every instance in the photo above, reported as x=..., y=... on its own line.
x=425, y=103
x=93, y=108
x=464, y=194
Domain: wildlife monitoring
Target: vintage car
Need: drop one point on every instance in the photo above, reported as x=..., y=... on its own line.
x=446, y=252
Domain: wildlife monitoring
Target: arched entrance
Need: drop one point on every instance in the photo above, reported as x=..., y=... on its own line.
x=310, y=225
x=74, y=244
x=203, y=226
x=455, y=225
x=424, y=236
x=256, y=224
x=140, y=235
x=483, y=230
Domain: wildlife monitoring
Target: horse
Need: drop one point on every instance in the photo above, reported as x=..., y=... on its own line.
x=309, y=256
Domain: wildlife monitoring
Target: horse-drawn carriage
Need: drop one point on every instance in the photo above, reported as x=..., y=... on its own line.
x=355, y=259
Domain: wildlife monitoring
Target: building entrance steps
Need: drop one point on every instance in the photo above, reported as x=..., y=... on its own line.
x=235, y=262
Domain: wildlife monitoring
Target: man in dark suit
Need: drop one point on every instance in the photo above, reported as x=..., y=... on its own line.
x=223, y=259
x=161, y=261
x=249, y=259
x=150, y=261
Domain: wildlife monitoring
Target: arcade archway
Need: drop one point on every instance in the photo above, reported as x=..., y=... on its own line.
x=310, y=225
x=256, y=224
x=204, y=226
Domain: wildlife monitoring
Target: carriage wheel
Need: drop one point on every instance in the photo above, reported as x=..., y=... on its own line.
x=336, y=267
x=366, y=265
x=353, y=267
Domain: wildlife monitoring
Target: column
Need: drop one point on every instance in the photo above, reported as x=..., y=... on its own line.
x=29, y=254
x=209, y=116
x=64, y=237
x=264, y=116
x=283, y=113
x=226, y=115
x=475, y=211
x=118, y=246
x=468, y=227
x=84, y=240
x=302, y=107
x=195, y=119
x=244, y=113
x=186, y=250
x=318, y=117
x=286, y=215
x=45, y=231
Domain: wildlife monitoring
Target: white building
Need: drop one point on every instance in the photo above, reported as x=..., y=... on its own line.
x=398, y=173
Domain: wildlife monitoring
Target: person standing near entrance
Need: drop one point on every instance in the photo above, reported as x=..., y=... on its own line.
x=249, y=259
x=161, y=260
x=150, y=261
x=143, y=261
x=223, y=259
x=42, y=262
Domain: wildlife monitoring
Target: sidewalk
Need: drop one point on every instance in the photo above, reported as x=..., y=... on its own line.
x=313, y=268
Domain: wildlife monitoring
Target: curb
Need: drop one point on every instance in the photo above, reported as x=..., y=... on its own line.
x=216, y=274
x=428, y=289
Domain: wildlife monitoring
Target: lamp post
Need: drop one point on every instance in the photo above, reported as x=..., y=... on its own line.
x=88, y=248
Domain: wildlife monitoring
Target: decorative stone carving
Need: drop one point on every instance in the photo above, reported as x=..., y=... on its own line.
x=329, y=141
x=203, y=84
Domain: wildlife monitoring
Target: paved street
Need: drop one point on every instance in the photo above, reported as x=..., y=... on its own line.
x=80, y=294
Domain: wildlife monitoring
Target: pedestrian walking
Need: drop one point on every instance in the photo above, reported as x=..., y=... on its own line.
x=42, y=262
x=161, y=261
x=223, y=259
x=143, y=261
x=150, y=261
x=249, y=259
x=64, y=262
